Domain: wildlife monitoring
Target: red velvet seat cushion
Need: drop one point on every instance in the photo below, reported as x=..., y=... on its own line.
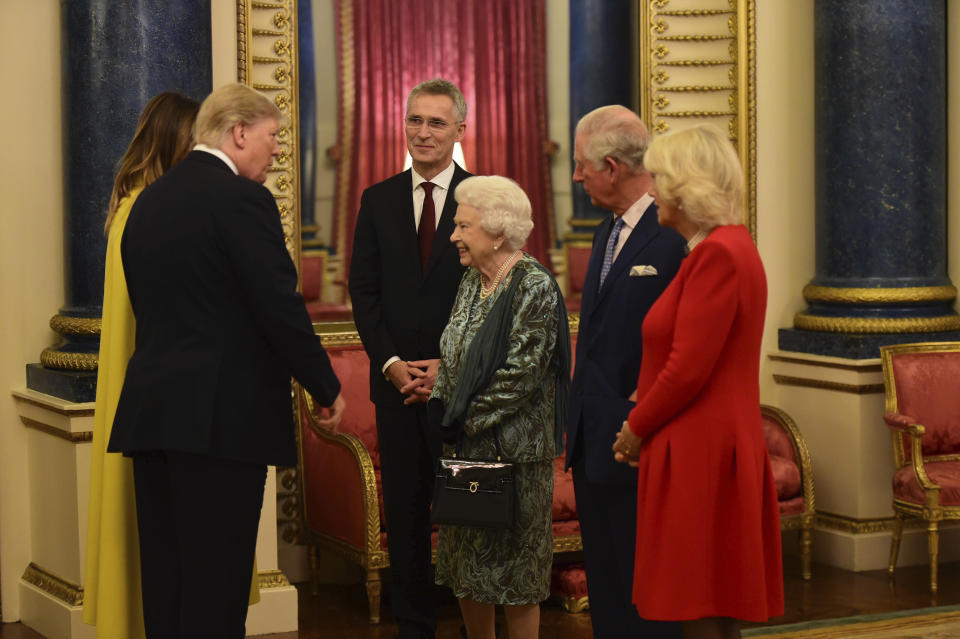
x=569, y=581
x=944, y=474
x=794, y=506
x=786, y=476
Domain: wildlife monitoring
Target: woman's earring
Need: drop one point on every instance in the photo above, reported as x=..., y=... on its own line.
x=496, y=247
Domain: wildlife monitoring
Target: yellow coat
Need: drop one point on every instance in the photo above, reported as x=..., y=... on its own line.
x=111, y=590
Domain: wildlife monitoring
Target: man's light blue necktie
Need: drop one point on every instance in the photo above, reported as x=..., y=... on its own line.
x=611, y=247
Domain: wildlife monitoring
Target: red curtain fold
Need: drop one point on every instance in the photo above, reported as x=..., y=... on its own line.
x=494, y=50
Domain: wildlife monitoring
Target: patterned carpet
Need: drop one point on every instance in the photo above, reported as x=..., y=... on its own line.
x=932, y=623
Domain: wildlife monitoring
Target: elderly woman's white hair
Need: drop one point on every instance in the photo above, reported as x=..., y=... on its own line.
x=228, y=106
x=697, y=170
x=502, y=204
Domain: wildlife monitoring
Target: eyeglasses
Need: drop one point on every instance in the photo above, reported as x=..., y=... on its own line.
x=415, y=123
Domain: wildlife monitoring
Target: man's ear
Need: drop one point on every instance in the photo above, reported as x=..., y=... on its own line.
x=613, y=166
x=238, y=133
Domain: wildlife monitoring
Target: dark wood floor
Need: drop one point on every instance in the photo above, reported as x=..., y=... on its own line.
x=341, y=611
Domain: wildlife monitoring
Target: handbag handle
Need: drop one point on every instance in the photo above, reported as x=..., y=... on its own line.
x=458, y=451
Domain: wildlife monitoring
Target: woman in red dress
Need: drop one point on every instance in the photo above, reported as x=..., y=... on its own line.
x=708, y=527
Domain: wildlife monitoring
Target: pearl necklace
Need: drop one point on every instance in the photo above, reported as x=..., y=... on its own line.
x=485, y=291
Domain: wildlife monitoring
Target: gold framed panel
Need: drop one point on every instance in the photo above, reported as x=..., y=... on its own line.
x=697, y=62
x=267, y=60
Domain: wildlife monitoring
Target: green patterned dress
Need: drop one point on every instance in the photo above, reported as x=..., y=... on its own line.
x=492, y=566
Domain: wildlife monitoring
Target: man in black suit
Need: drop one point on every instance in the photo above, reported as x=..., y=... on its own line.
x=404, y=275
x=205, y=405
x=632, y=261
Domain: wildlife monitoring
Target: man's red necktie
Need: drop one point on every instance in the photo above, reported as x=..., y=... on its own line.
x=428, y=224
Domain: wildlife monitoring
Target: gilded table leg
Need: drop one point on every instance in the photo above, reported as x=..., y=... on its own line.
x=933, y=548
x=806, y=537
x=896, y=530
x=373, y=586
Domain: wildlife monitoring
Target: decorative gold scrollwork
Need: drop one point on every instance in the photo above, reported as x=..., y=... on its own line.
x=282, y=47
x=281, y=20
x=474, y=485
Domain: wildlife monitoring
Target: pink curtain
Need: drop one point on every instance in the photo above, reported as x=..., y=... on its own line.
x=494, y=50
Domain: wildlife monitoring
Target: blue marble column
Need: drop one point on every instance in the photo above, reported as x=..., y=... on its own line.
x=601, y=70
x=308, y=125
x=881, y=252
x=116, y=56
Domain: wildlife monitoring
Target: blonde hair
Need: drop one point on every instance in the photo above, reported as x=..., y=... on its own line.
x=613, y=131
x=163, y=138
x=228, y=106
x=503, y=206
x=697, y=169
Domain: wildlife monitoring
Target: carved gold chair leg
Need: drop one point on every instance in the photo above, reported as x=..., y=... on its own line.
x=896, y=530
x=373, y=586
x=806, y=538
x=314, y=572
x=933, y=548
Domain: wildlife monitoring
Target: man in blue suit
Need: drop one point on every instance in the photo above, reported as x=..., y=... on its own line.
x=632, y=261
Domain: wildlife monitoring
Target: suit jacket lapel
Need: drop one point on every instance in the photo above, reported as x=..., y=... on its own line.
x=441, y=241
x=646, y=229
x=591, y=280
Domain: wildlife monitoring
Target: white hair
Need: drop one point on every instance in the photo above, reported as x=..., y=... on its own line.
x=613, y=131
x=502, y=204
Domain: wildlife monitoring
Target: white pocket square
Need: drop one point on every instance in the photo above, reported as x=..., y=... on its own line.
x=642, y=270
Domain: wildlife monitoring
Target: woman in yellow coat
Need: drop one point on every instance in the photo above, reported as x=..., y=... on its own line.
x=112, y=597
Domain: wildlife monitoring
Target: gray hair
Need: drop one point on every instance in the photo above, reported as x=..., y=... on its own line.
x=613, y=131
x=502, y=204
x=438, y=86
x=228, y=106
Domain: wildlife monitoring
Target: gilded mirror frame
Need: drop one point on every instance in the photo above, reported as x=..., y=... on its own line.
x=697, y=62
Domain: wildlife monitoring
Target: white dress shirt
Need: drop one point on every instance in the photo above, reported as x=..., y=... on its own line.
x=630, y=219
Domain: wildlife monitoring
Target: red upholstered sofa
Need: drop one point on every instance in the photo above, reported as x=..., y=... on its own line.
x=339, y=473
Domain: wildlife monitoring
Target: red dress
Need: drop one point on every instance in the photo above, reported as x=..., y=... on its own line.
x=708, y=525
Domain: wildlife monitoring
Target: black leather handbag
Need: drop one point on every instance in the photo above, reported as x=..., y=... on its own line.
x=474, y=492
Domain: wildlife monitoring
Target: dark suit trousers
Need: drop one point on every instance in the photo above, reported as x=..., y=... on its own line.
x=608, y=527
x=409, y=448
x=197, y=518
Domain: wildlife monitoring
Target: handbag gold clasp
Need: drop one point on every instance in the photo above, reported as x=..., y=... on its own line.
x=474, y=485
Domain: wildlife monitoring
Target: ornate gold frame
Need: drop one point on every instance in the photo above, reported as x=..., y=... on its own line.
x=687, y=75
x=267, y=60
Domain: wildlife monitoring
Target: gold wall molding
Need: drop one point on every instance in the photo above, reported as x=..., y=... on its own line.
x=267, y=61
x=268, y=579
x=814, y=293
x=702, y=52
x=807, y=322
x=865, y=526
x=60, y=589
x=868, y=368
x=69, y=361
x=840, y=387
x=73, y=437
x=65, y=325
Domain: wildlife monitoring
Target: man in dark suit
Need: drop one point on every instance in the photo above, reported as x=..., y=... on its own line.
x=632, y=261
x=205, y=405
x=404, y=275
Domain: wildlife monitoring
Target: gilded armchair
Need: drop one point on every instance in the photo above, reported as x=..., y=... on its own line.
x=922, y=384
x=793, y=475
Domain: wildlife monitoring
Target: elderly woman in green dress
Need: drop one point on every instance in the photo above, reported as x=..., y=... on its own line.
x=518, y=398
